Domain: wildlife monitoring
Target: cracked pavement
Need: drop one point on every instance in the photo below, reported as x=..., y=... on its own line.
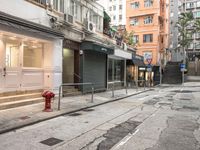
x=166, y=118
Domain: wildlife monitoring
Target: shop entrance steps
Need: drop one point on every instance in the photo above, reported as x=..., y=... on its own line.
x=71, y=91
x=12, y=101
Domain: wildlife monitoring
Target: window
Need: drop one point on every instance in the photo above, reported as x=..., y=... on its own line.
x=136, y=38
x=114, y=7
x=134, y=21
x=135, y=5
x=197, y=14
x=12, y=53
x=148, y=3
x=110, y=8
x=120, y=7
x=148, y=20
x=114, y=17
x=120, y=17
x=96, y=19
x=75, y=9
x=58, y=5
x=189, y=5
x=32, y=55
x=198, y=4
x=147, y=38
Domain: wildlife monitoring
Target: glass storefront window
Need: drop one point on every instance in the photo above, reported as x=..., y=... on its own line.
x=32, y=55
x=115, y=70
x=12, y=54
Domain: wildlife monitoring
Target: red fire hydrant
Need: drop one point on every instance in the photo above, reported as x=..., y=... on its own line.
x=48, y=95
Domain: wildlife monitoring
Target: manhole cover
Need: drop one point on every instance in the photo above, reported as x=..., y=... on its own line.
x=51, y=141
x=24, y=117
x=87, y=110
x=75, y=114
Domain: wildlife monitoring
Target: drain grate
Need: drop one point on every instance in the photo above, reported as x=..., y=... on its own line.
x=51, y=141
x=190, y=107
x=24, y=117
x=87, y=110
x=184, y=91
x=75, y=114
x=185, y=99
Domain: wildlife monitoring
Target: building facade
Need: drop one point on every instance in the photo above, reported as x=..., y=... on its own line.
x=30, y=50
x=116, y=9
x=192, y=6
x=55, y=42
x=149, y=20
x=176, y=54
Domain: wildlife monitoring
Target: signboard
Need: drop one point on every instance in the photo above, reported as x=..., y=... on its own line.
x=142, y=68
x=183, y=67
x=149, y=68
x=148, y=57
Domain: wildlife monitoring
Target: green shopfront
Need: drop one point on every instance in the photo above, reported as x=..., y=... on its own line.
x=93, y=64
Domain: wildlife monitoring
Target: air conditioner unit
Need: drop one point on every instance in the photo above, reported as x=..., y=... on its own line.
x=90, y=26
x=69, y=19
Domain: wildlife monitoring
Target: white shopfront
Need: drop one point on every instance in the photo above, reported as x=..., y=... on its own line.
x=28, y=63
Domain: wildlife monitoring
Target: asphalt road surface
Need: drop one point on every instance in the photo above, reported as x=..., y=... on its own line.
x=166, y=118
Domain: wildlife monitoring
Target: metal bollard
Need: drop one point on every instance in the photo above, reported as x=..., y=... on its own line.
x=59, y=97
x=113, y=94
x=136, y=83
x=92, y=98
x=126, y=89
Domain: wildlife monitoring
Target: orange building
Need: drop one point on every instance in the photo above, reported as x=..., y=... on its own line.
x=148, y=19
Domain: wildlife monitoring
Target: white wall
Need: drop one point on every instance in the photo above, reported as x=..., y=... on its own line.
x=25, y=10
x=117, y=12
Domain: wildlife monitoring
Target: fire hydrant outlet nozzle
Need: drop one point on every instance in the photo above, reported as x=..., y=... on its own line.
x=48, y=95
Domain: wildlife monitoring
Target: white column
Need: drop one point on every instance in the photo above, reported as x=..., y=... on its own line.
x=53, y=65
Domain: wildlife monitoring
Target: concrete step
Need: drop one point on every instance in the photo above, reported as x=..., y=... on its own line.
x=8, y=105
x=65, y=94
x=13, y=93
x=13, y=98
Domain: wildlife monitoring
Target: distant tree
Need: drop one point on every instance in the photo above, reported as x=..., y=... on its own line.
x=128, y=38
x=185, y=21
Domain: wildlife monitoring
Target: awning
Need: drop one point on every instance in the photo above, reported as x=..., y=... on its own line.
x=88, y=45
x=20, y=24
x=137, y=60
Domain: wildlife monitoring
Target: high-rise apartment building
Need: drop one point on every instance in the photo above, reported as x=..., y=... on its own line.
x=116, y=9
x=149, y=20
x=176, y=54
x=193, y=51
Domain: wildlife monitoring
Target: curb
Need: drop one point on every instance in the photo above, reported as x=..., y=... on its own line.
x=69, y=112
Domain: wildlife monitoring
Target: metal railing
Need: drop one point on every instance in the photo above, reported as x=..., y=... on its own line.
x=75, y=84
x=113, y=86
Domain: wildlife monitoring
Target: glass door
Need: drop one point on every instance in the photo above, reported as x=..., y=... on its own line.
x=12, y=68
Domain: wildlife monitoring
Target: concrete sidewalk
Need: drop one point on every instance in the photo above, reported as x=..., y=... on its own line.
x=16, y=118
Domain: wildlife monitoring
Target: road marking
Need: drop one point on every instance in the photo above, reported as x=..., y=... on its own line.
x=125, y=140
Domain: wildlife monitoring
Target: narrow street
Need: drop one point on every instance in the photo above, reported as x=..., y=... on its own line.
x=165, y=118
